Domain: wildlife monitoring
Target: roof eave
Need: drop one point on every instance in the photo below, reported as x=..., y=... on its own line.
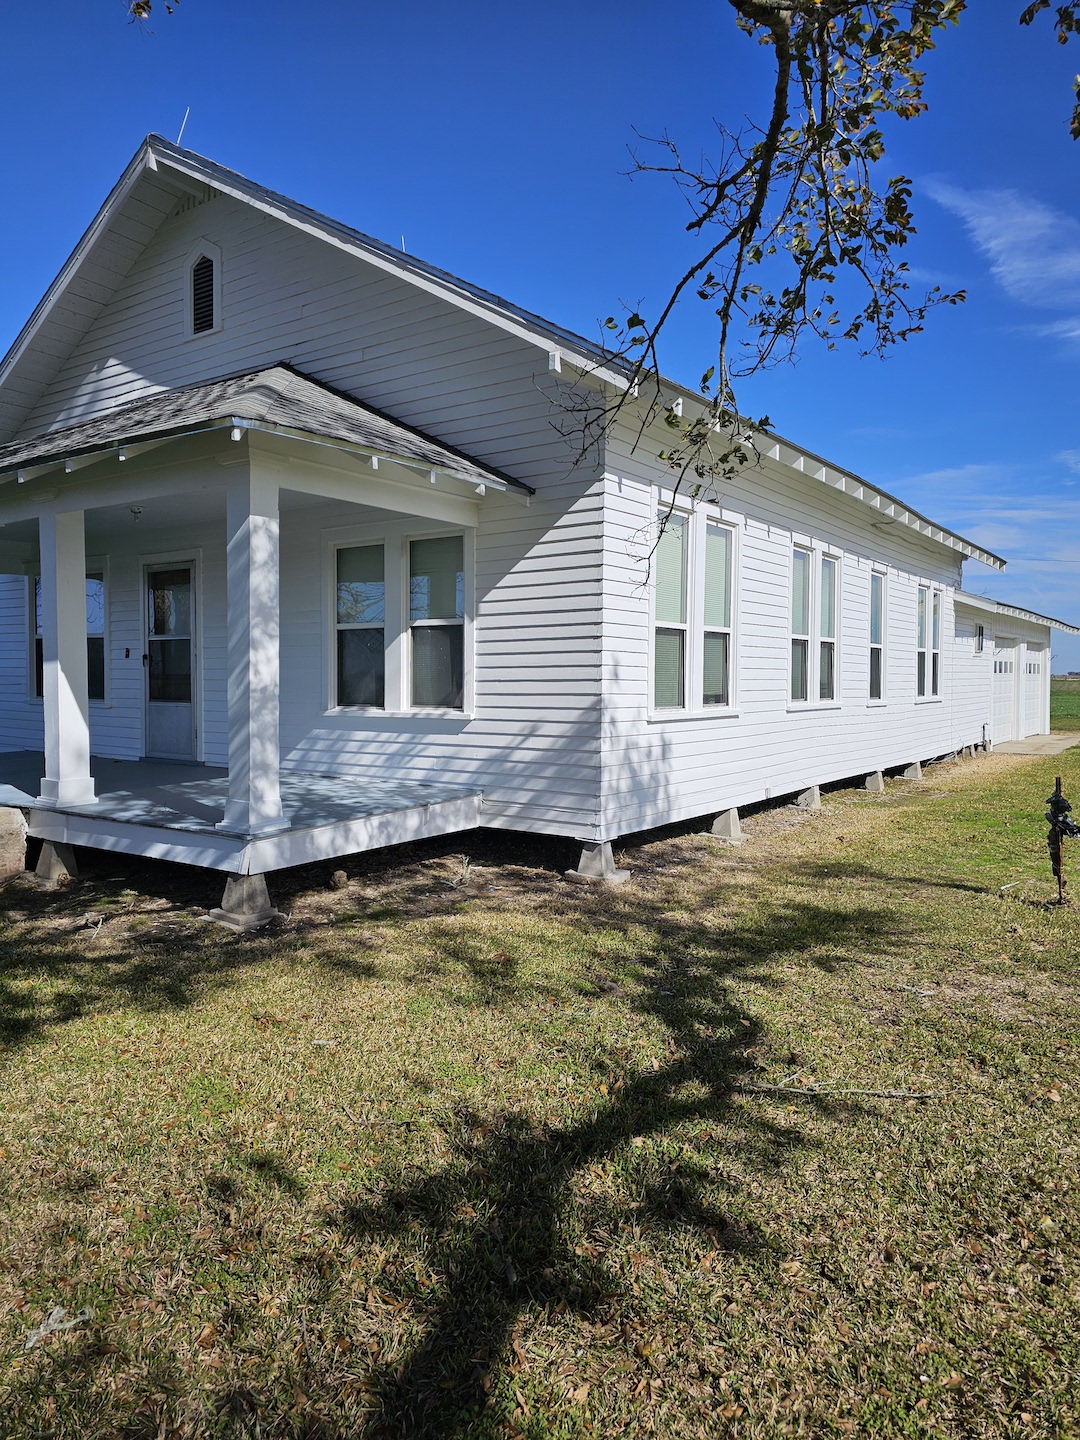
x=43, y=464
x=986, y=606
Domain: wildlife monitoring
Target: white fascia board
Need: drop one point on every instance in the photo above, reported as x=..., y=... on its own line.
x=328, y=233
x=784, y=452
x=987, y=606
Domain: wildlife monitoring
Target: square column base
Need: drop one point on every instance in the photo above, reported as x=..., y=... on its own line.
x=67, y=792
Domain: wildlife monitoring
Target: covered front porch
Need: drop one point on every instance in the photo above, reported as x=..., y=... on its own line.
x=239, y=458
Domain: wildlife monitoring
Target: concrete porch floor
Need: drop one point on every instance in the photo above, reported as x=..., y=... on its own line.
x=171, y=812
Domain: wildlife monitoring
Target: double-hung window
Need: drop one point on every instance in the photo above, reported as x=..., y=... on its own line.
x=716, y=614
x=693, y=613
x=928, y=642
x=815, y=595
x=827, y=616
x=669, y=638
x=801, y=570
x=437, y=622
x=361, y=618
x=877, y=635
x=95, y=638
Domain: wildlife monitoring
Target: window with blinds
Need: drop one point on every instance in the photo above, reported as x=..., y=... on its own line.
x=877, y=636
x=928, y=642
x=716, y=659
x=800, y=623
x=360, y=623
x=437, y=622
x=669, y=637
x=827, y=622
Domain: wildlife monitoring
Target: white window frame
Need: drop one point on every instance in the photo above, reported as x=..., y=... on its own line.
x=822, y=558
x=395, y=539
x=337, y=627
x=929, y=690
x=698, y=517
x=94, y=566
x=881, y=646
x=813, y=639
x=468, y=566
x=212, y=252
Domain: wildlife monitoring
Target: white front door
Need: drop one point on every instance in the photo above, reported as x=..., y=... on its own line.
x=1004, y=707
x=1033, y=691
x=169, y=661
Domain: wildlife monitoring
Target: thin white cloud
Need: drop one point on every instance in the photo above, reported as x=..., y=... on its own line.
x=1033, y=249
x=1071, y=458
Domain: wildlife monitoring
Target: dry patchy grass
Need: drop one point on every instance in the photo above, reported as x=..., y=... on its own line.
x=462, y=1149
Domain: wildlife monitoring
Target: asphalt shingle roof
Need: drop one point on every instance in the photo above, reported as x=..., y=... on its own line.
x=279, y=396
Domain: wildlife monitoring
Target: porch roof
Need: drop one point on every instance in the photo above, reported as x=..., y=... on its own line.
x=279, y=400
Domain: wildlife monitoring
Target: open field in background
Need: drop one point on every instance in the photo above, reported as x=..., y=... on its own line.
x=463, y=1149
x=1065, y=703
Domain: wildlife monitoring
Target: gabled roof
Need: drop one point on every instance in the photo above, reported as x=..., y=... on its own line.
x=279, y=400
x=161, y=174
x=998, y=607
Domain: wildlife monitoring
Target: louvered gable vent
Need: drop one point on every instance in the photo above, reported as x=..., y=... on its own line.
x=202, y=295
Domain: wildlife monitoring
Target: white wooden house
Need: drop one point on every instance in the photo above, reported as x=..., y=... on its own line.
x=299, y=560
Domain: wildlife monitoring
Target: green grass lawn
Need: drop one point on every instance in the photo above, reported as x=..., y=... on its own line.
x=1065, y=703
x=470, y=1151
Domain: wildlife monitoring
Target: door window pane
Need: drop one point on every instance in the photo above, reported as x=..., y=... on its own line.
x=671, y=551
x=361, y=677
x=170, y=671
x=361, y=585
x=438, y=666
x=437, y=579
x=715, y=686
x=669, y=669
x=170, y=602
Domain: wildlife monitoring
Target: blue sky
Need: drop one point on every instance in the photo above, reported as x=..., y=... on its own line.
x=494, y=139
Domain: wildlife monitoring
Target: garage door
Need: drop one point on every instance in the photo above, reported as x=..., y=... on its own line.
x=1004, y=689
x=1033, y=691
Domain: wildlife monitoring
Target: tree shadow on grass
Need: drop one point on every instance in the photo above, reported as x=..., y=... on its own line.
x=496, y=1223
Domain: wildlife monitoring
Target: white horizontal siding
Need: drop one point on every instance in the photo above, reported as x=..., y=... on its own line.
x=664, y=769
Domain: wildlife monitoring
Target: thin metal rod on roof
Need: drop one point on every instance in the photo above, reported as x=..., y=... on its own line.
x=179, y=137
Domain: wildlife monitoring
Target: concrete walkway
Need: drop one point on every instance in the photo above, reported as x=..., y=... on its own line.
x=1038, y=745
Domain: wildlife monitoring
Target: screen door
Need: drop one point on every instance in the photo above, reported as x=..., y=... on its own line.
x=169, y=662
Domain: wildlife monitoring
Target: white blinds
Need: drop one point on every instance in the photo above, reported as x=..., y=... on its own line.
x=670, y=561
x=718, y=577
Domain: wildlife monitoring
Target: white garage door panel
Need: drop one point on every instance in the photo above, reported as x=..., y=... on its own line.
x=1004, y=720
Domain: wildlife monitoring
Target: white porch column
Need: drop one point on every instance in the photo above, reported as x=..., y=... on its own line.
x=64, y=677
x=254, y=803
